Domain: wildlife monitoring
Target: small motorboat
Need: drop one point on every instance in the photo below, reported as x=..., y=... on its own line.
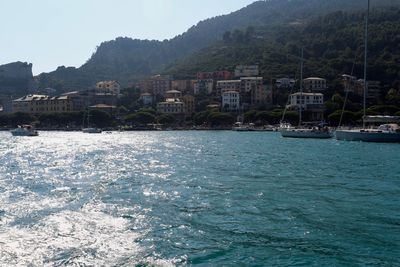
x=24, y=130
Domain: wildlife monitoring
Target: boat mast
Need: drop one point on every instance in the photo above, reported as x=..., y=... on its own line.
x=365, y=64
x=301, y=85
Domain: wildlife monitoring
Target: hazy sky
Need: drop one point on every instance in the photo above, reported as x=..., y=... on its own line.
x=50, y=33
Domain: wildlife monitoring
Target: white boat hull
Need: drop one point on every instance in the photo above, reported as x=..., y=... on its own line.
x=91, y=130
x=368, y=136
x=300, y=133
x=24, y=132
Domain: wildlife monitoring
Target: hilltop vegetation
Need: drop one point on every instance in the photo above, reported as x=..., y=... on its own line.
x=332, y=44
x=128, y=60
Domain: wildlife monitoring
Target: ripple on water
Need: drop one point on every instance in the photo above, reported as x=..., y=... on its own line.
x=196, y=198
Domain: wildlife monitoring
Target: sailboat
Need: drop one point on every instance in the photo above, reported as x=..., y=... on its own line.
x=89, y=129
x=388, y=132
x=288, y=130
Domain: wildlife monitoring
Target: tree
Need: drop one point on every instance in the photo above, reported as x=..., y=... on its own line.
x=166, y=119
x=140, y=118
x=100, y=118
x=201, y=117
x=21, y=118
x=348, y=118
x=250, y=116
x=220, y=118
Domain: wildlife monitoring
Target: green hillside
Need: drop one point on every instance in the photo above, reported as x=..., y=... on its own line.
x=332, y=44
x=128, y=60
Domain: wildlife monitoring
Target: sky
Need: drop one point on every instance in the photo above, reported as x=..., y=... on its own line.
x=51, y=33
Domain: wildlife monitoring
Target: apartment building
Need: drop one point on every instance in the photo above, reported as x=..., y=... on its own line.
x=314, y=84
x=36, y=104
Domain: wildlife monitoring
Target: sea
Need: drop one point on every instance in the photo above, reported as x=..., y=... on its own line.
x=197, y=198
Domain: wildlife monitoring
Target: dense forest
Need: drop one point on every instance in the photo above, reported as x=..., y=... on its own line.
x=279, y=27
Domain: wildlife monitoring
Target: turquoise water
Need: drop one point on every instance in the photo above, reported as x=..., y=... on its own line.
x=197, y=198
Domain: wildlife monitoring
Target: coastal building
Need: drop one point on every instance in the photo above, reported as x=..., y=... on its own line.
x=373, y=93
x=171, y=106
x=228, y=85
x=203, y=87
x=108, y=87
x=189, y=107
x=349, y=83
x=246, y=71
x=185, y=86
x=285, y=83
x=215, y=75
x=36, y=104
x=147, y=99
x=313, y=103
x=314, y=84
x=83, y=99
x=173, y=94
x=231, y=101
x=157, y=85
x=306, y=99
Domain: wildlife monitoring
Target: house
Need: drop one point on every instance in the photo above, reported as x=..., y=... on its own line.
x=215, y=75
x=246, y=71
x=228, y=85
x=108, y=87
x=314, y=84
x=171, y=106
x=312, y=103
x=189, y=106
x=285, y=83
x=173, y=94
x=157, y=85
x=205, y=86
x=185, y=86
x=231, y=101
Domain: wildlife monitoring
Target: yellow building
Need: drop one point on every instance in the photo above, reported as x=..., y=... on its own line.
x=42, y=104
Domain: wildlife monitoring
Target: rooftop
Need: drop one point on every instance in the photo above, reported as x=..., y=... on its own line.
x=308, y=94
x=314, y=78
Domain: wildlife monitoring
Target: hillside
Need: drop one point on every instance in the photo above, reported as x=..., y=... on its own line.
x=128, y=60
x=332, y=44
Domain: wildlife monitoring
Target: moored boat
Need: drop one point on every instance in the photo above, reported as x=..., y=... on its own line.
x=24, y=130
x=385, y=133
x=314, y=132
x=91, y=130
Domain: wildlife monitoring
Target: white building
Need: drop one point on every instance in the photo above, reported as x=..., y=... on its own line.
x=246, y=71
x=173, y=94
x=312, y=102
x=231, y=100
x=314, y=84
x=306, y=100
x=108, y=87
x=285, y=83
